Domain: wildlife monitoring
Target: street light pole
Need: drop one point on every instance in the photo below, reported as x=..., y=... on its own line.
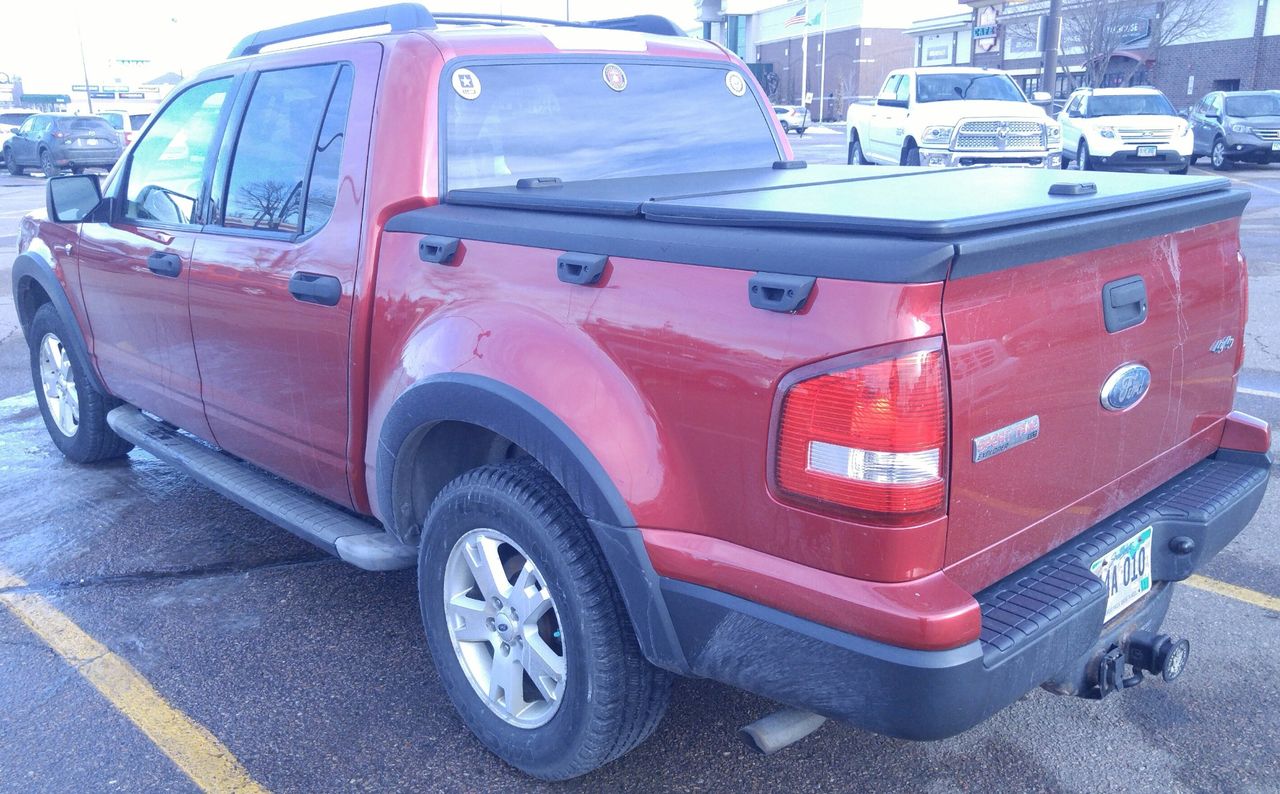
x=84, y=66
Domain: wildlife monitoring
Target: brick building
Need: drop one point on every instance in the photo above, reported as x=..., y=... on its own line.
x=856, y=42
x=1240, y=50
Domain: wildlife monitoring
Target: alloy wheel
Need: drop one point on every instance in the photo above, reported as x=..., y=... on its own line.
x=505, y=628
x=59, y=385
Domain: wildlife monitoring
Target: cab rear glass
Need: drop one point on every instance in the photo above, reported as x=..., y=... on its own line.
x=574, y=121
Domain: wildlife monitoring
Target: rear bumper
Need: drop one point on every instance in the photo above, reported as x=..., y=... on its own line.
x=67, y=157
x=1041, y=625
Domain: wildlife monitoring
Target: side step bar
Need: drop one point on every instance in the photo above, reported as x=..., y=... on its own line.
x=362, y=543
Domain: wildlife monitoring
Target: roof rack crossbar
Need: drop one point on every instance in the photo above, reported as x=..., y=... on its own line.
x=643, y=23
x=400, y=16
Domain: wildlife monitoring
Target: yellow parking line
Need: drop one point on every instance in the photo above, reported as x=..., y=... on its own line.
x=190, y=745
x=1234, y=591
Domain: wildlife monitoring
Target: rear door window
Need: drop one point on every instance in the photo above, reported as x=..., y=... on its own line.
x=291, y=137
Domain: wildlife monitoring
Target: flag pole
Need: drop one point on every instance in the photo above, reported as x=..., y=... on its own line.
x=804, y=60
x=822, y=85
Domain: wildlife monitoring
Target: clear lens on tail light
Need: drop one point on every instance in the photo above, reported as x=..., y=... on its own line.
x=869, y=437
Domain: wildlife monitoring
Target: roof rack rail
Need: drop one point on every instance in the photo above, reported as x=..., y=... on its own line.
x=400, y=16
x=643, y=23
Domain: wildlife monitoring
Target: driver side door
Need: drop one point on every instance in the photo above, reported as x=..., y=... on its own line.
x=134, y=269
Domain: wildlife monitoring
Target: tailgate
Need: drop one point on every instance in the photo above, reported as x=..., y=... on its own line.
x=1030, y=343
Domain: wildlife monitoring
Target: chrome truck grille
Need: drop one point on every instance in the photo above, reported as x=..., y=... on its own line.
x=1146, y=136
x=1000, y=136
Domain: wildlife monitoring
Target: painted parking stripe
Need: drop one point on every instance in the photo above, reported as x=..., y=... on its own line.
x=1258, y=392
x=187, y=743
x=1234, y=591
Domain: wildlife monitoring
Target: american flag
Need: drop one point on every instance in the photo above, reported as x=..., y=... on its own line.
x=799, y=18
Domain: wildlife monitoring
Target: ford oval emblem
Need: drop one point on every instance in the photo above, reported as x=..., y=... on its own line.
x=1126, y=387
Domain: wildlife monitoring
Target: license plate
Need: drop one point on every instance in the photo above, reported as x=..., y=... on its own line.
x=1126, y=571
x=1275, y=147
x=1146, y=151
x=92, y=141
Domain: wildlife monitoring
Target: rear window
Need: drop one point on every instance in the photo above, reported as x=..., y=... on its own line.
x=580, y=121
x=137, y=120
x=86, y=124
x=116, y=120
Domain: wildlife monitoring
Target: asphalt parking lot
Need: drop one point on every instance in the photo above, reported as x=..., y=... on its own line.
x=303, y=674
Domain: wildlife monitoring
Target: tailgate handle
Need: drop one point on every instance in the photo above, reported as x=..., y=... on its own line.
x=776, y=292
x=584, y=269
x=437, y=249
x=1124, y=303
x=163, y=264
x=315, y=288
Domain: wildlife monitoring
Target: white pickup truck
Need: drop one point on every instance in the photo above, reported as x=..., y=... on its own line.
x=952, y=116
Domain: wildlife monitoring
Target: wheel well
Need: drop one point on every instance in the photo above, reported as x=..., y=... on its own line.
x=31, y=296
x=437, y=454
x=907, y=145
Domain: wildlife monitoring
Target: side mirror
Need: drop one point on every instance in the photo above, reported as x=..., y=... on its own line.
x=1214, y=116
x=1041, y=96
x=70, y=199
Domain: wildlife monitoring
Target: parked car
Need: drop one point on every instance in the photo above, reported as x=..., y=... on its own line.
x=952, y=116
x=807, y=431
x=792, y=119
x=10, y=120
x=52, y=142
x=1124, y=129
x=127, y=125
x=1236, y=126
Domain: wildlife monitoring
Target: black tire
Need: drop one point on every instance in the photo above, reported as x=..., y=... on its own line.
x=613, y=698
x=47, y=166
x=11, y=164
x=1218, y=155
x=856, y=155
x=1181, y=171
x=1082, y=156
x=800, y=131
x=76, y=169
x=785, y=127
x=92, y=440
x=912, y=155
x=1195, y=158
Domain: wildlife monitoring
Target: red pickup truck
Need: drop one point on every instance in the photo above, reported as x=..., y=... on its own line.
x=550, y=312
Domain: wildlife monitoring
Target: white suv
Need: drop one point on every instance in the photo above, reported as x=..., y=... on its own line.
x=1124, y=129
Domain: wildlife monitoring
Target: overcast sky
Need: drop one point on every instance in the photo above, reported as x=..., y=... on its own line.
x=38, y=38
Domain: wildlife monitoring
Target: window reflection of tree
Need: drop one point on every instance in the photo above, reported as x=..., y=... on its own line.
x=268, y=203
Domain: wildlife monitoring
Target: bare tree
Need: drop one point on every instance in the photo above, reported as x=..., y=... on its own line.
x=1103, y=28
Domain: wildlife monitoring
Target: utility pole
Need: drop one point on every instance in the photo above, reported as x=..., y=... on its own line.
x=822, y=88
x=1052, y=43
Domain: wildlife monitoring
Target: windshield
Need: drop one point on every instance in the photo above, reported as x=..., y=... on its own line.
x=116, y=120
x=1242, y=107
x=946, y=87
x=564, y=120
x=1129, y=105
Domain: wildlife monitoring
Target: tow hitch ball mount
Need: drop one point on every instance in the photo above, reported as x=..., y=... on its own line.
x=1158, y=654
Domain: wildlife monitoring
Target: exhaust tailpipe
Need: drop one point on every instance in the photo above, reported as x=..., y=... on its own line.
x=781, y=729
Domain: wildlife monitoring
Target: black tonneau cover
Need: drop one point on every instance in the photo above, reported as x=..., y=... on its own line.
x=910, y=202
x=884, y=224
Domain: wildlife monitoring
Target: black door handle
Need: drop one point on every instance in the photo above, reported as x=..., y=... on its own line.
x=162, y=264
x=315, y=288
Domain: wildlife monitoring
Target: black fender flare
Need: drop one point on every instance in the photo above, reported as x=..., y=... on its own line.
x=509, y=412
x=29, y=268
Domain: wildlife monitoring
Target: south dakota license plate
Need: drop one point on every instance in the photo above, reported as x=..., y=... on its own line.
x=1126, y=571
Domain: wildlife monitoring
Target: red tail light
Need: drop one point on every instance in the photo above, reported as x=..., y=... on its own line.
x=869, y=435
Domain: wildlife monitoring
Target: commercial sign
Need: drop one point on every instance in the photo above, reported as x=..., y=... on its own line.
x=986, y=30
x=130, y=95
x=85, y=88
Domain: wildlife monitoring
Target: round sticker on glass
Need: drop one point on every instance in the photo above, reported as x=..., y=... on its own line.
x=614, y=77
x=466, y=84
x=737, y=86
